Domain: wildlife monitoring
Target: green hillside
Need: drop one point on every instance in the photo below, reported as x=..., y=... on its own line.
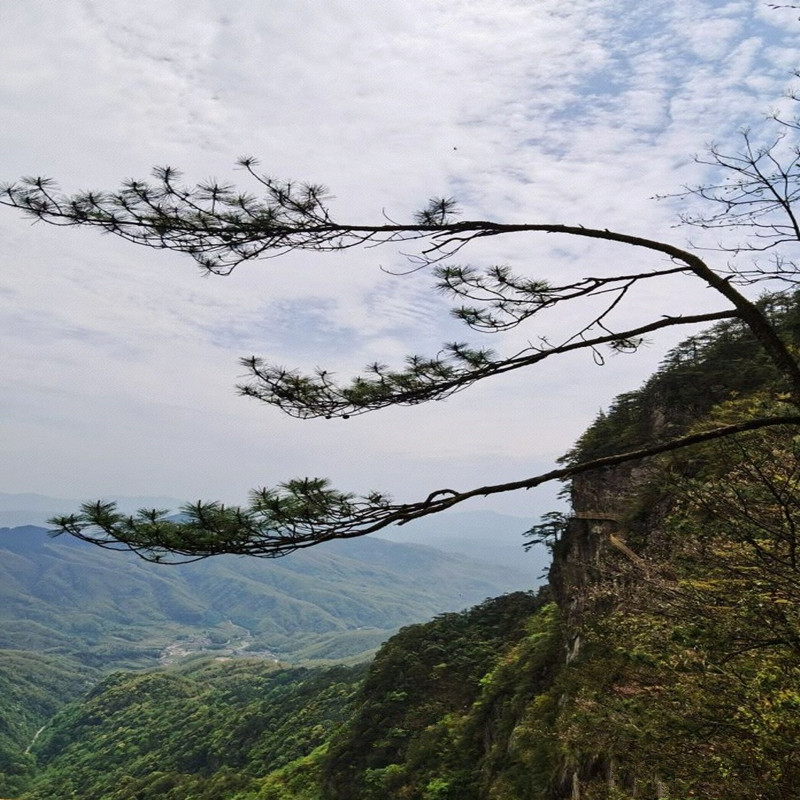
x=112, y=610
x=202, y=733
x=33, y=687
x=71, y=613
x=246, y=730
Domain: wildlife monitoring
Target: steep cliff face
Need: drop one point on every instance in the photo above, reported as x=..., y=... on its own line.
x=616, y=512
x=668, y=575
x=600, y=501
x=586, y=561
x=681, y=631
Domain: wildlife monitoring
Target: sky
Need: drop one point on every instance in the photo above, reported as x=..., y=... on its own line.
x=120, y=362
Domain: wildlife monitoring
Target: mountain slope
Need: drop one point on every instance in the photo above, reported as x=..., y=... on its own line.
x=71, y=612
x=408, y=725
x=203, y=733
x=340, y=600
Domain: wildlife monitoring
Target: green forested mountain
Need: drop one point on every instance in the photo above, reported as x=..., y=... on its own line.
x=661, y=662
x=436, y=696
x=113, y=610
x=202, y=732
x=667, y=665
x=246, y=730
x=33, y=686
x=70, y=613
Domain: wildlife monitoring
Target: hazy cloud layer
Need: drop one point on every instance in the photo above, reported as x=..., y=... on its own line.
x=120, y=362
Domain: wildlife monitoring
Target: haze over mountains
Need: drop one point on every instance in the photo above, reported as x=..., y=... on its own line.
x=334, y=601
x=484, y=536
x=35, y=509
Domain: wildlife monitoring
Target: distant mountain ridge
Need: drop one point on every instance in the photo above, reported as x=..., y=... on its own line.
x=484, y=536
x=335, y=601
x=29, y=508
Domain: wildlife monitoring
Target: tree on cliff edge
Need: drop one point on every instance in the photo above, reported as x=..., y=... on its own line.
x=220, y=228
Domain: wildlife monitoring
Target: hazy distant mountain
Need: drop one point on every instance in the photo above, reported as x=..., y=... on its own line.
x=331, y=602
x=36, y=509
x=483, y=536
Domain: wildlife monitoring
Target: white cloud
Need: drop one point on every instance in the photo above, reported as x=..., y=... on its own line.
x=121, y=361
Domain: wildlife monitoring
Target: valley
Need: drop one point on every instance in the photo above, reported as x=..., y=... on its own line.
x=71, y=614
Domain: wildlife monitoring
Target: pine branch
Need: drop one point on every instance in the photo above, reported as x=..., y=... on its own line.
x=424, y=379
x=306, y=512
